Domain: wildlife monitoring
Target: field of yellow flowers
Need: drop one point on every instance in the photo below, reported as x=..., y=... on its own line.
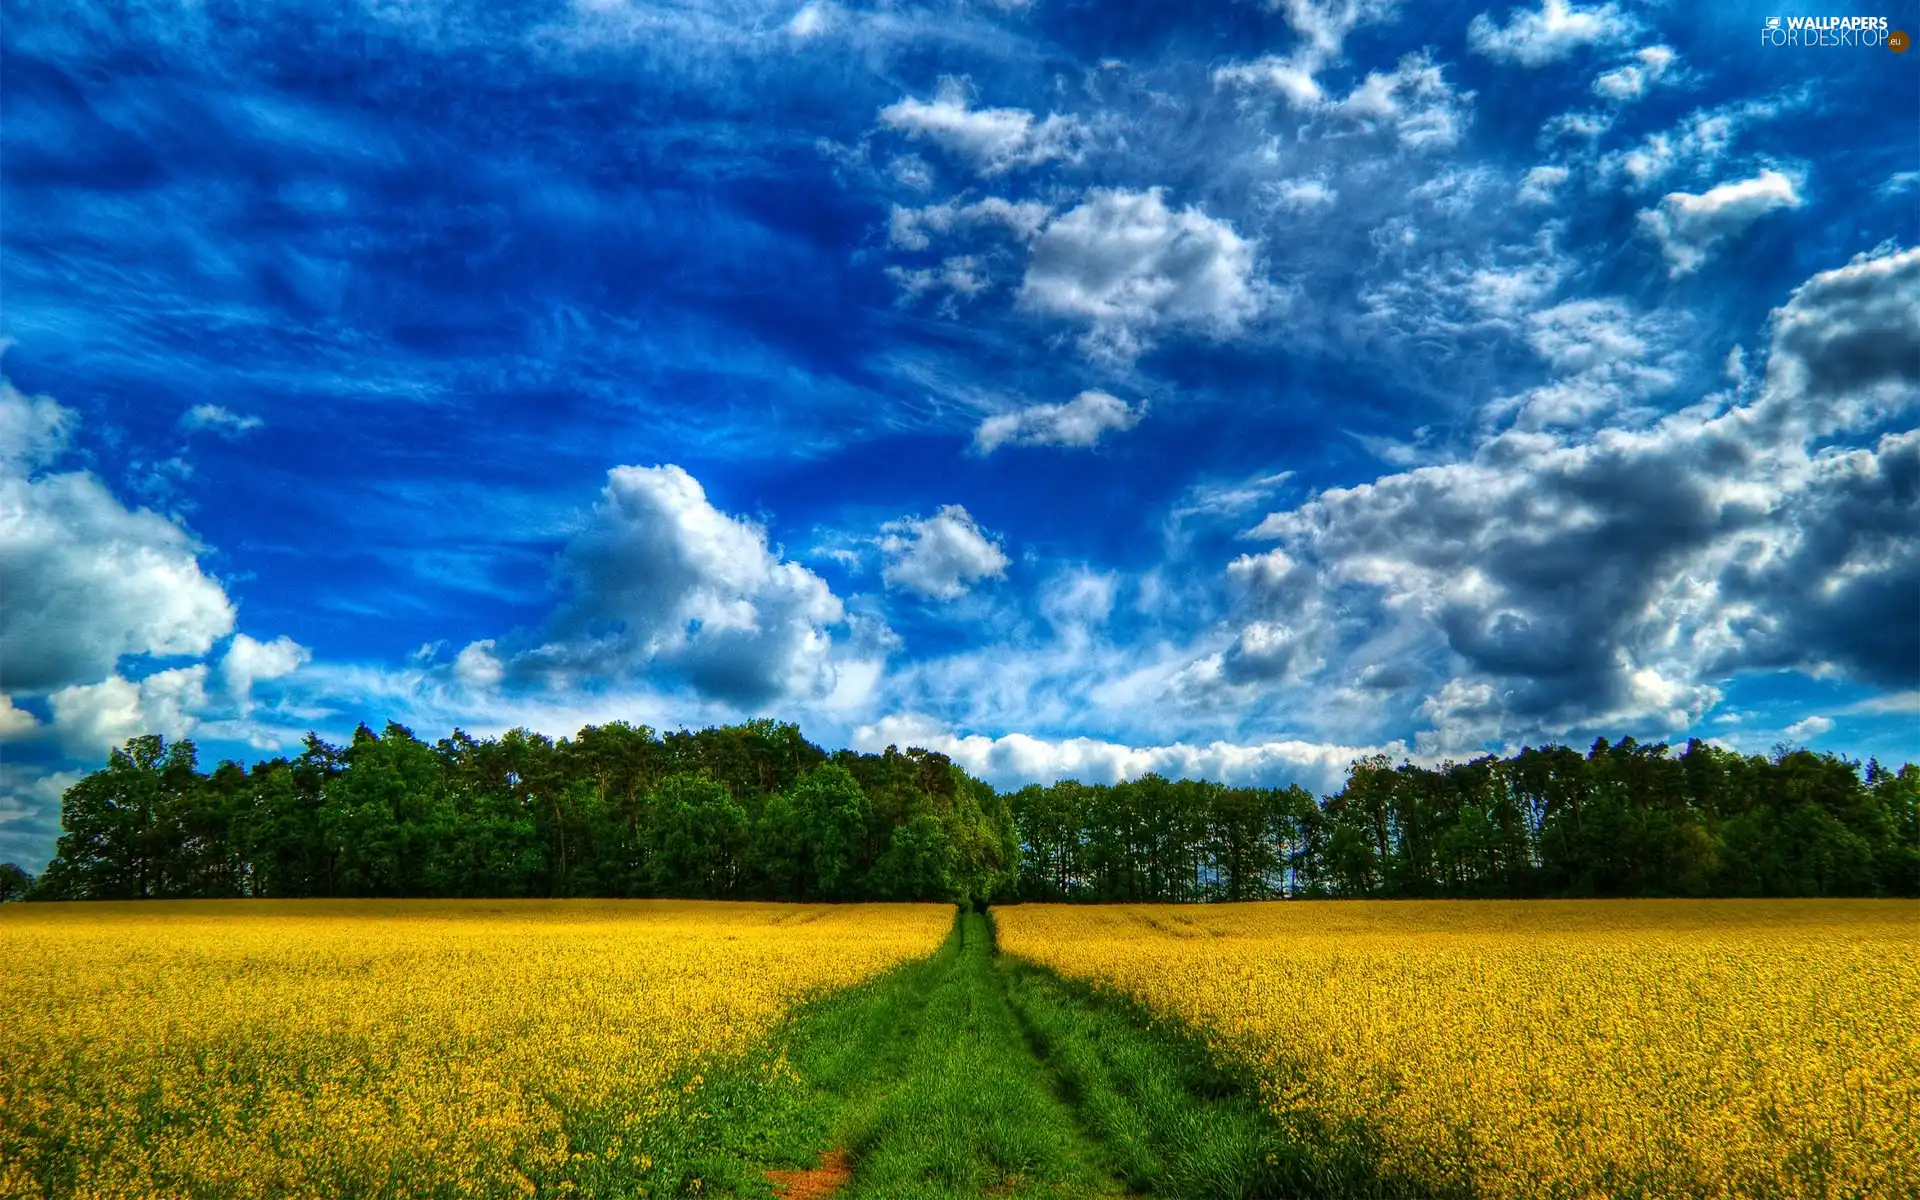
x=1552, y=1049
x=389, y=1048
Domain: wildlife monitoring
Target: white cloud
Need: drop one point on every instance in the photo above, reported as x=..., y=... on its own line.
x=1898, y=183
x=1696, y=144
x=477, y=667
x=1652, y=65
x=1615, y=578
x=1542, y=184
x=1688, y=226
x=1414, y=102
x=1129, y=266
x=92, y=718
x=913, y=228
x=1301, y=196
x=248, y=661
x=16, y=723
x=1078, y=599
x=214, y=419
x=813, y=19
x=660, y=580
x=86, y=580
x=1323, y=28
x=1215, y=499
x=940, y=557
x=1808, y=728
x=1536, y=37
x=911, y=171
x=1581, y=334
x=30, y=812
x=1080, y=422
x=1576, y=126
x=33, y=429
x=960, y=276
x=1291, y=75
x=1843, y=353
x=992, y=140
x=1016, y=759
x=1905, y=703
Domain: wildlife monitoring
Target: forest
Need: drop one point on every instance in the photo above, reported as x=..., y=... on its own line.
x=755, y=811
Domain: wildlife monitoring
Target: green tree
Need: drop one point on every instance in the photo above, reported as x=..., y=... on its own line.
x=698, y=839
x=15, y=883
x=916, y=865
x=832, y=812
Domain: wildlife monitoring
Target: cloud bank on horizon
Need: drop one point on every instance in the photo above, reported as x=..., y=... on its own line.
x=1228, y=391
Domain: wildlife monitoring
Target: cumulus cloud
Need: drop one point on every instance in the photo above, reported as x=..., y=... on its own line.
x=88, y=581
x=940, y=557
x=16, y=723
x=1616, y=578
x=1537, y=37
x=1651, y=65
x=1807, y=728
x=1688, y=226
x=660, y=580
x=1843, y=348
x=1127, y=265
x=212, y=418
x=249, y=660
x=1017, y=759
x=991, y=140
x=93, y=718
x=1080, y=422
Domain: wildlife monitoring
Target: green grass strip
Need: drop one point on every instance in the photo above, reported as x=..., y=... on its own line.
x=969, y=1074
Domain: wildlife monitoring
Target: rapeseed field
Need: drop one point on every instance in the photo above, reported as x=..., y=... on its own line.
x=1551, y=1049
x=389, y=1048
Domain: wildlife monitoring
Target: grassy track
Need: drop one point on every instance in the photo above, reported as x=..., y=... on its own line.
x=969, y=1075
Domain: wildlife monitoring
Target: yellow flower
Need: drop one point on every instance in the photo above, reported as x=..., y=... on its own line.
x=1558, y=1048
x=248, y=1049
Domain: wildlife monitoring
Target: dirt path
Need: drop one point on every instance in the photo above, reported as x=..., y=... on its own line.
x=813, y=1183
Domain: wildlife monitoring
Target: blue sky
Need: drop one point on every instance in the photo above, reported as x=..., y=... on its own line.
x=1080, y=389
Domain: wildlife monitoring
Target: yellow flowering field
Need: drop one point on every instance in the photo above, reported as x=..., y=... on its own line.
x=385, y=1048
x=1651, y=1048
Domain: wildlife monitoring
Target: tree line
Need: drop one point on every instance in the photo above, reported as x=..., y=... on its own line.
x=1625, y=819
x=755, y=811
